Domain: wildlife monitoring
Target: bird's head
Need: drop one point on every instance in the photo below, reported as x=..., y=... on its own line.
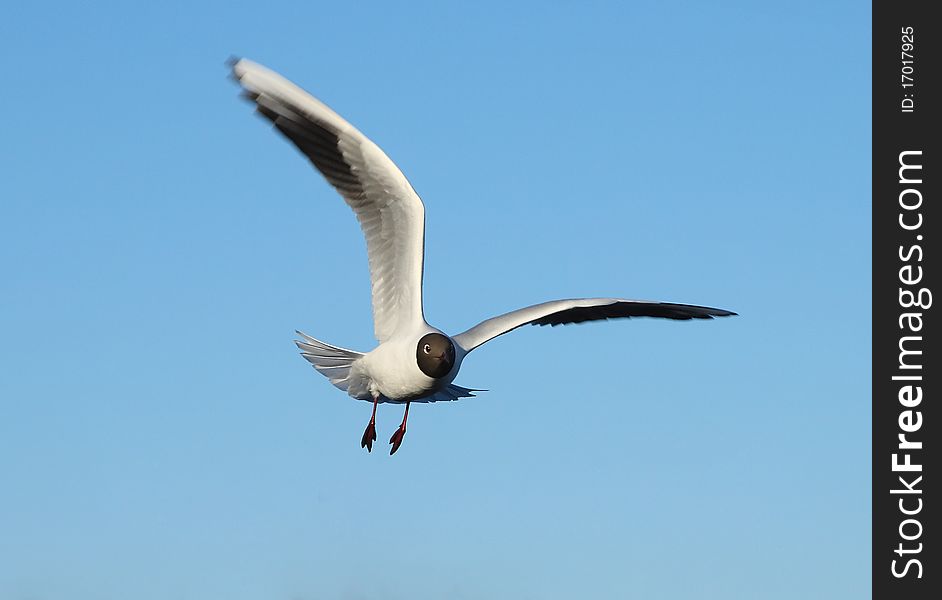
x=435, y=355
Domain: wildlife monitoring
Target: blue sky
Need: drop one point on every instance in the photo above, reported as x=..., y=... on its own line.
x=161, y=438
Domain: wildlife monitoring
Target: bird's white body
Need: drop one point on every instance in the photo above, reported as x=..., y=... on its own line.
x=390, y=371
x=392, y=217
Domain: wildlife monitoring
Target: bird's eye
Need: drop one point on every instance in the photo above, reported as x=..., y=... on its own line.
x=426, y=348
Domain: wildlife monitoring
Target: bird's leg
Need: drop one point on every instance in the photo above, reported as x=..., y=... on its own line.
x=369, y=436
x=396, y=439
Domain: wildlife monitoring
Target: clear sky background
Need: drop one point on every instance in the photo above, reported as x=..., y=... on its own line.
x=160, y=436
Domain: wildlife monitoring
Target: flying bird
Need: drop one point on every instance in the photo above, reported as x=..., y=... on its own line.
x=414, y=361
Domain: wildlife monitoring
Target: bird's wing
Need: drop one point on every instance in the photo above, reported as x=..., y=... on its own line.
x=563, y=312
x=390, y=213
x=450, y=392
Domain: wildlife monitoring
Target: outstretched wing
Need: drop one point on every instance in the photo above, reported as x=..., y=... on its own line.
x=563, y=312
x=390, y=213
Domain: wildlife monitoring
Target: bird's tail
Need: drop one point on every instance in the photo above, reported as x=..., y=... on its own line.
x=330, y=361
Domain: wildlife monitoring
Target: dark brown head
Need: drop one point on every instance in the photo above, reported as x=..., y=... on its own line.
x=435, y=355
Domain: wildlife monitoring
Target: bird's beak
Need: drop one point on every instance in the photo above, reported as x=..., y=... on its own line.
x=447, y=359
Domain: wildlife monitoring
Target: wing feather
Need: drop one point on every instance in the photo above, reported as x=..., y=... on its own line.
x=389, y=211
x=563, y=312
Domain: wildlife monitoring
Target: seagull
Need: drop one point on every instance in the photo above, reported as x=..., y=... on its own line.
x=414, y=361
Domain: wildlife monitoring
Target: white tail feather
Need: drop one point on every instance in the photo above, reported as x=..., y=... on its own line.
x=330, y=361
